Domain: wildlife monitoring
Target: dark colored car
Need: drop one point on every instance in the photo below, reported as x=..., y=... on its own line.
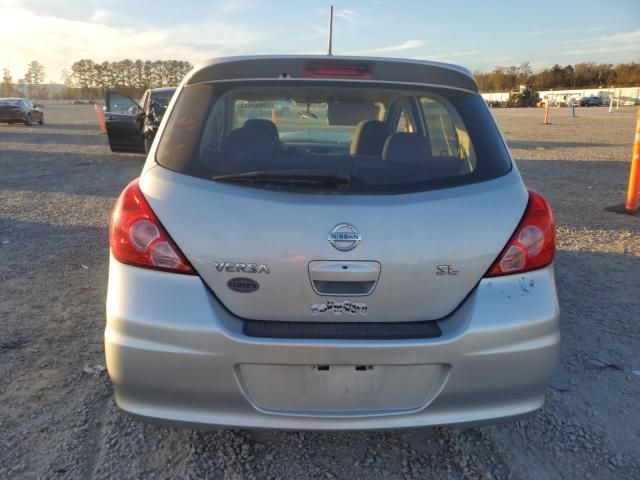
x=131, y=126
x=590, y=101
x=20, y=110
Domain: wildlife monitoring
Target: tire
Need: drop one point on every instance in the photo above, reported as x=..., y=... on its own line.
x=41, y=121
x=27, y=122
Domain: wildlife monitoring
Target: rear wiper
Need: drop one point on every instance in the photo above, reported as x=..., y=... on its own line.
x=314, y=178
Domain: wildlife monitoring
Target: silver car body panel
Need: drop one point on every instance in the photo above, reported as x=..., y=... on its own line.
x=175, y=354
x=409, y=235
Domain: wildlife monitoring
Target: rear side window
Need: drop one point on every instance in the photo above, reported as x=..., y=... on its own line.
x=332, y=137
x=162, y=98
x=11, y=102
x=118, y=103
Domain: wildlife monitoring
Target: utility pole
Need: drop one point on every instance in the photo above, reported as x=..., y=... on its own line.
x=330, y=30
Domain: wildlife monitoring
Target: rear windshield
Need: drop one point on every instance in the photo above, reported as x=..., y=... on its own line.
x=332, y=137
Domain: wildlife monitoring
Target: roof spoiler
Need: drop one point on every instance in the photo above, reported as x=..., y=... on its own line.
x=344, y=68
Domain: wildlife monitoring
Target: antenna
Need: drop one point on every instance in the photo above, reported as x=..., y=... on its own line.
x=330, y=30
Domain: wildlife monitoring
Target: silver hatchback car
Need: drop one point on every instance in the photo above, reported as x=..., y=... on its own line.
x=369, y=258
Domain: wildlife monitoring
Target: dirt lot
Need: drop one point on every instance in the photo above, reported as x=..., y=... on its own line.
x=57, y=414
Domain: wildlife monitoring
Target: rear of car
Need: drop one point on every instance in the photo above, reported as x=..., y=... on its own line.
x=371, y=259
x=13, y=110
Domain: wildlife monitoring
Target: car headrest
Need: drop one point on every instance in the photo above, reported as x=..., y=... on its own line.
x=264, y=125
x=368, y=138
x=407, y=148
x=247, y=148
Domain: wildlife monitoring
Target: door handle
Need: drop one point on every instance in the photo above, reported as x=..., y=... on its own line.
x=110, y=118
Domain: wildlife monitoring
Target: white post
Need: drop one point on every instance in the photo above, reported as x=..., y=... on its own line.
x=611, y=103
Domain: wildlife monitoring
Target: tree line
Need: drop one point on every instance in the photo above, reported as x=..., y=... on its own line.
x=132, y=77
x=580, y=75
x=89, y=79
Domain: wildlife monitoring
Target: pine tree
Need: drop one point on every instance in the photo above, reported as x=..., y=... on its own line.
x=6, y=88
x=35, y=76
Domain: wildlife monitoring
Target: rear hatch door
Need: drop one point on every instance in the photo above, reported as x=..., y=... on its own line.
x=416, y=258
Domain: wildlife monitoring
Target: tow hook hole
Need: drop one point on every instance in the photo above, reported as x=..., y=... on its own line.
x=362, y=368
x=345, y=267
x=322, y=368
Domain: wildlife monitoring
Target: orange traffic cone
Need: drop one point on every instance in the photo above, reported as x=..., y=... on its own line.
x=630, y=207
x=634, y=174
x=103, y=127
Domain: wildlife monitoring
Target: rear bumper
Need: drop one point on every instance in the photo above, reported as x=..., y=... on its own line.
x=175, y=355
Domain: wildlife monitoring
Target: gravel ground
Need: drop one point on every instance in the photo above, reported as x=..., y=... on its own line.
x=58, y=418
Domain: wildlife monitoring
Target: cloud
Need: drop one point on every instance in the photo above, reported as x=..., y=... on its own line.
x=448, y=56
x=563, y=32
x=353, y=17
x=101, y=15
x=234, y=6
x=408, y=45
x=618, y=43
x=71, y=10
x=62, y=41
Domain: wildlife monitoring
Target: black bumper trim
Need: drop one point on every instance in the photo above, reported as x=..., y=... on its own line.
x=341, y=330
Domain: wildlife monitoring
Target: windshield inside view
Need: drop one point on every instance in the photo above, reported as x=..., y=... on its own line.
x=327, y=138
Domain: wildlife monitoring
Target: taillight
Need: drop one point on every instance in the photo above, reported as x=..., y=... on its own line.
x=533, y=244
x=137, y=238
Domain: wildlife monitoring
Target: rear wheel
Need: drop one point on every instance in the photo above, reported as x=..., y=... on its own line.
x=41, y=121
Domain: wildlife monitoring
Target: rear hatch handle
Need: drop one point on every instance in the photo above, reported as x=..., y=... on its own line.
x=344, y=278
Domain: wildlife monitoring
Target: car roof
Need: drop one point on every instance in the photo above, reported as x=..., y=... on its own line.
x=293, y=66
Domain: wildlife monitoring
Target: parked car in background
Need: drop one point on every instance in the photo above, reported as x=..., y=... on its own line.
x=591, y=101
x=20, y=110
x=284, y=107
x=131, y=126
x=374, y=261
